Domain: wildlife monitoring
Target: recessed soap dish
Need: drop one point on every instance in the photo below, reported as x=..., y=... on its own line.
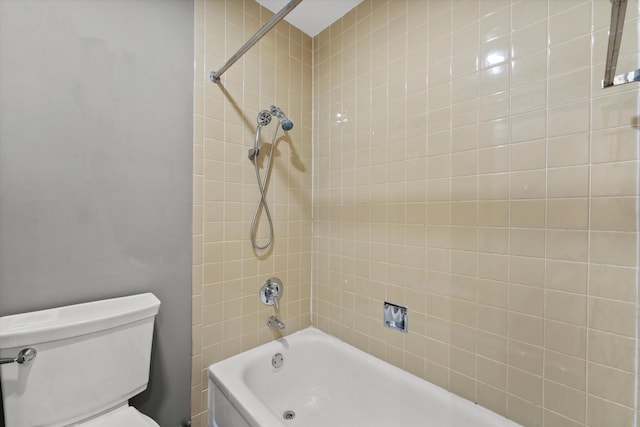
x=395, y=317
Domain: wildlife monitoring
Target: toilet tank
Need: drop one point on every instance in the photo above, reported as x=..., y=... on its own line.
x=91, y=358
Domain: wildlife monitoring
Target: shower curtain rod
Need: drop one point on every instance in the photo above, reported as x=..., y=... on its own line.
x=215, y=75
x=618, y=11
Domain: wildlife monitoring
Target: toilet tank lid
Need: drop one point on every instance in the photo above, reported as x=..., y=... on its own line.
x=74, y=320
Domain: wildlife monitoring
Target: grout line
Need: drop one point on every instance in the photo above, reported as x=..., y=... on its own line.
x=546, y=208
x=589, y=231
x=637, y=319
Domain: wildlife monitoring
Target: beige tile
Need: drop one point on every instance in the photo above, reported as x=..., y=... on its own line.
x=569, y=56
x=565, y=400
x=528, y=155
x=614, y=111
x=526, y=299
x=493, y=186
x=603, y=413
x=613, y=214
x=494, y=19
x=465, y=50
x=570, y=213
x=614, y=145
x=492, y=346
x=613, y=282
x=494, y=129
x=569, y=150
x=611, y=384
x=493, y=109
x=528, y=126
x=492, y=320
x=568, y=245
x=567, y=370
x=529, y=97
x=565, y=338
x=464, y=163
x=525, y=386
x=569, y=87
x=529, y=38
x=570, y=24
x=612, y=316
x=614, y=179
x=525, y=357
x=492, y=293
x=465, y=13
x=567, y=276
x=527, y=213
x=613, y=248
x=611, y=350
x=527, y=271
x=493, y=213
x=523, y=412
x=525, y=328
x=569, y=118
x=462, y=385
x=465, y=87
x=491, y=266
x=524, y=13
x=528, y=184
x=493, y=160
x=463, y=362
x=554, y=419
x=527, y=242
x=494, y=52
x=529, y=68
x=494, y=80
x=491, y=398
x=566, y=307
x=492, y=373
x=493, y=240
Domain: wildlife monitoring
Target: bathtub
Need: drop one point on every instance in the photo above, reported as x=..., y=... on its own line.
x=311, y=379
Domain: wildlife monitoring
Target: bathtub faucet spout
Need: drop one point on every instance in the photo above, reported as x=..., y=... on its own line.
x=274, y=322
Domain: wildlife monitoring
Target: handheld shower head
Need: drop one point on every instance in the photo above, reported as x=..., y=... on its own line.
x=264, y=118
x=284, y=120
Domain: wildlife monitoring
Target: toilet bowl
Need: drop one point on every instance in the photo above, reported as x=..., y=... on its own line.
x=86, y=361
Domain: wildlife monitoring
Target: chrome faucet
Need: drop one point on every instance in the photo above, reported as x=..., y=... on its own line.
x=270, y=293
x=274, y=322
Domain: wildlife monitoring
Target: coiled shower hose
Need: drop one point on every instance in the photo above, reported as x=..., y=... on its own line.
x=262, y=201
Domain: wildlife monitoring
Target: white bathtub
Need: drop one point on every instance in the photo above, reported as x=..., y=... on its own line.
x=328, y=383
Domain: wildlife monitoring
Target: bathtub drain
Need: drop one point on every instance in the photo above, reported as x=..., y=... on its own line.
x=289, y=415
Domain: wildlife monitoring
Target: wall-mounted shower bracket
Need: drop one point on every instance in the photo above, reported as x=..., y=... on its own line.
x=271, y=292
x=618, y=12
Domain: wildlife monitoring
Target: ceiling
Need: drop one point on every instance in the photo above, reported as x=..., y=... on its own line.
x=312, y=16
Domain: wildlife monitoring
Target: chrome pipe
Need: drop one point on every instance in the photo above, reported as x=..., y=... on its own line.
x=25, y=355
x=215, y=75
x=275, y=323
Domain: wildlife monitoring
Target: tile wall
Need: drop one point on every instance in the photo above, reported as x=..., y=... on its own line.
x=228, y=316
x=467, y=165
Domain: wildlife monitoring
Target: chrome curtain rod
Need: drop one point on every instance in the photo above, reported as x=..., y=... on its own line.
x=215, y=75
x=618, y=11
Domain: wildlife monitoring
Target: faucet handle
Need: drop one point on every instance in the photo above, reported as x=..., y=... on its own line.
x=271, y=292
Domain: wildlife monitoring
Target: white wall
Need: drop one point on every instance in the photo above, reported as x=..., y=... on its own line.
x=95, y=167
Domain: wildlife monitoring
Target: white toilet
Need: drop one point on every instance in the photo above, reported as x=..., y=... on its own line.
x=90, y=360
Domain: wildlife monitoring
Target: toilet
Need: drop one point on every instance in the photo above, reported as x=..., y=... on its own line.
x=90, y=359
